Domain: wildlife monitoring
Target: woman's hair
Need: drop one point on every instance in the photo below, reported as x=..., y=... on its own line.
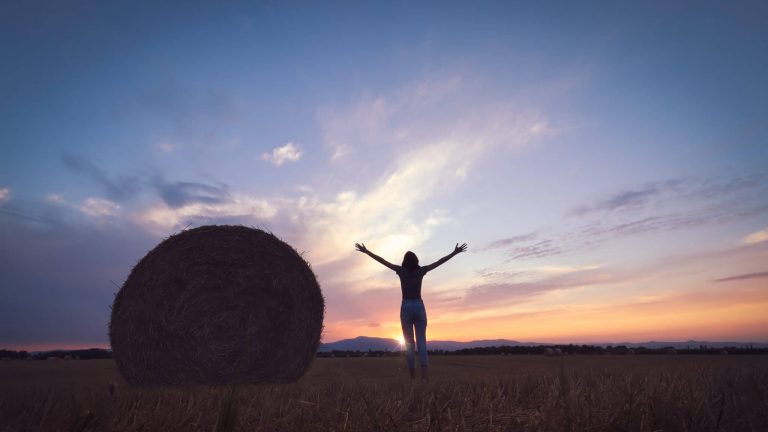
x=410, y=261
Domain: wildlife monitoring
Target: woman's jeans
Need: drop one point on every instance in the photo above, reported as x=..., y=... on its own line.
x=414, y=316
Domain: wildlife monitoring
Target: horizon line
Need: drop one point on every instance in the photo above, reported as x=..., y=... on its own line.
x=45, y=347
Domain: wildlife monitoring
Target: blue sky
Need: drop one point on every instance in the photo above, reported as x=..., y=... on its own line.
x=601, y=159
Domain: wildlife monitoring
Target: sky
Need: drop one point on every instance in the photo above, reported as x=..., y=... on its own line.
x=605, y=161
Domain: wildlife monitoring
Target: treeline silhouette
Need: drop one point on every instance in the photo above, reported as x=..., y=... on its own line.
x=559, y=350
x=81, y=354
x=547, y=350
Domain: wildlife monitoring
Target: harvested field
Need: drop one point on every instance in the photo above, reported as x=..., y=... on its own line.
x=596, y=393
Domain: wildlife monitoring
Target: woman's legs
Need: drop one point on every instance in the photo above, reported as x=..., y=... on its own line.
x=406, y=322
x=414, y=316
x=420, y=323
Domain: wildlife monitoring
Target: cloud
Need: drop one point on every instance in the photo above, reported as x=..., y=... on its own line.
x=679, y=314
x=99, y=207
x=743, y=277
x=433, y=139
x=598, y=232
x=621, y=201
x=280, y=155
x=673, y=191
x=5, y=194
x=55, y=199
x=678, y=204
x=22, y=215
x=166, y=147
x=494, y=295
x=756, y=237
x=178, y=194
x=363, y=123
x=699, y=217
x=236, y=209
x=540, y=249
x=118, y=189
x=95, y=207
x=509, y=241
x=713, y=188
x=424, y=112
x=433, y=149
x=564, y=269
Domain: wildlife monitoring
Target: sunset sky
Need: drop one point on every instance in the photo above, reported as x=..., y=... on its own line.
x=607, y=163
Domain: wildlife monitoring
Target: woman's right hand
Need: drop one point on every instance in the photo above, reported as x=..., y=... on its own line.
x=460, y=249
x=361, y=247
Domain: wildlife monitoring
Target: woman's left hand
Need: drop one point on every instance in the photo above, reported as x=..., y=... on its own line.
x=460, y=249
x=361, y=247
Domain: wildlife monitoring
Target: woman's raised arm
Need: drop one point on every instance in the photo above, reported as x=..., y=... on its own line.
x=457, y=250
x=361, y=247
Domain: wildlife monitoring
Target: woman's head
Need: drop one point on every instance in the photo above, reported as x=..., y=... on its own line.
x=410, y=261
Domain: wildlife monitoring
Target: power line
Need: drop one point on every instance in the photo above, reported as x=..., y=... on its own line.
x=15, y=213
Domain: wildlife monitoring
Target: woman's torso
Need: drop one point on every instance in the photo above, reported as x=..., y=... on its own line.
x=410, y=282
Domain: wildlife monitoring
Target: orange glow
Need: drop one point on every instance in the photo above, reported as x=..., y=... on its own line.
x=50, y=346
x=703, y=312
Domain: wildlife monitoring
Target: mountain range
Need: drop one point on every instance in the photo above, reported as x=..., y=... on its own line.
x=365, y=343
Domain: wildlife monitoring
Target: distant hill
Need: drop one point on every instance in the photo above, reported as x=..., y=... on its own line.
x=361, y=343
x=365, y=343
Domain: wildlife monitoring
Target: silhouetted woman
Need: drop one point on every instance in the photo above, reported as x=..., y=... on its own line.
x=412, y=312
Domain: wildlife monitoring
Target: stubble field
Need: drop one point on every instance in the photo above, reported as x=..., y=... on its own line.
x=570, y=393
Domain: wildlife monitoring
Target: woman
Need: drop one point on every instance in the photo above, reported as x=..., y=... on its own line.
x=412, y=312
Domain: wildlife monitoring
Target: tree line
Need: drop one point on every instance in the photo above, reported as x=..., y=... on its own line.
x=548, y=350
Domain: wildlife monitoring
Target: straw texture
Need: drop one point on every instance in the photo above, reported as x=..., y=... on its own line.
x=217, y=305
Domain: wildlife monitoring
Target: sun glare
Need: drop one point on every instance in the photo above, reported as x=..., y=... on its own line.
x=400, y=340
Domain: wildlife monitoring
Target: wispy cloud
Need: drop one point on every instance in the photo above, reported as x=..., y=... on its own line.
x=5, y=194
x=498, y=298
x=630, y=213
x=598, y=232
x=178, y=194
x=667, y=222
x=509, y=241
x=118, y=188
x=539, y=249
x=671, y=192
x=166, y=146
x=432, y=140
x=99, y=207
x=283, y=154
x=756, y=237
x=237, y=208
x=743, y=277
x=621, y=201
x=349, y=128
x=94, y=207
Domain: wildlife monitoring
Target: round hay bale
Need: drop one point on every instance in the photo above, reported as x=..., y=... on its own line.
x=217, y=305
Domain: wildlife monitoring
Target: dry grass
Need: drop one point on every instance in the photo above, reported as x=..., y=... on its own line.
x=647, y=393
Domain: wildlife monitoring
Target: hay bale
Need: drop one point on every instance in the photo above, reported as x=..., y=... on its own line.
x=217, y=305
